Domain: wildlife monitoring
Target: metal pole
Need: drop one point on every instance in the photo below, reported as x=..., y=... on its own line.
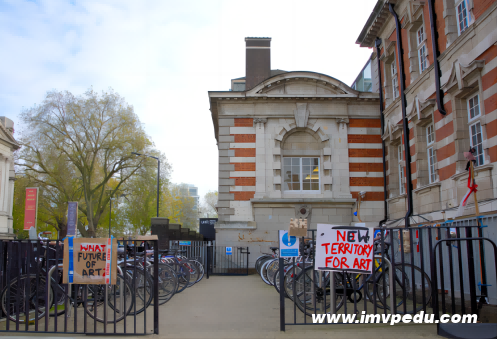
x=110, y=215
x=158, y=181
x=282, y=294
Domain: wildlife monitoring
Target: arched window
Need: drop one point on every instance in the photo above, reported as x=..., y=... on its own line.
x=301, y=163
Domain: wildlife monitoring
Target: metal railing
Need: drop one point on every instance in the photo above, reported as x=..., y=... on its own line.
x=428, y=277
x=34, y=297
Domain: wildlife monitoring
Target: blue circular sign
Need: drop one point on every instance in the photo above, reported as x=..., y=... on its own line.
x=289, y=241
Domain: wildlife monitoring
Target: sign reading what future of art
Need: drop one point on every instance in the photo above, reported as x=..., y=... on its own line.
x=344, y=248
x=90, y=261
x=31, y=208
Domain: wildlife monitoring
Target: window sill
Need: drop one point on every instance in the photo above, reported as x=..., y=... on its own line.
x=348, y=201
x=398, y=197
x=464, y=174
x=426, y=188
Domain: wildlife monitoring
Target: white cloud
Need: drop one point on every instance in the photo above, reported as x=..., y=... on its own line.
x=163, y=57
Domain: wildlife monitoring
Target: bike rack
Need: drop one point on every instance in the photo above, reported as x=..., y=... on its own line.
x=333, y=291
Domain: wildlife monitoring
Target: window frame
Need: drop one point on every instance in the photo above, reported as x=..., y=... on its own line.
x=301, y=178
x=432, y=175
x=471, y=119
x=428, y=142
x=471, y=143
x=395, y=79
x=459, y=3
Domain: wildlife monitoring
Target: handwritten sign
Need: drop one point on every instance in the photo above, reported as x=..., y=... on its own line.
x=344, y=248
x=31, y=208
x=90, y=261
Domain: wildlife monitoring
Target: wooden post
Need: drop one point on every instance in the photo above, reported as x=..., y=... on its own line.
x=477, y=210
x=359, y=207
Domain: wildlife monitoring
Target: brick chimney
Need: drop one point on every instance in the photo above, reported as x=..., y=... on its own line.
x=258, y=61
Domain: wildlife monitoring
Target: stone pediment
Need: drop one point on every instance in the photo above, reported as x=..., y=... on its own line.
x=303, y=84
x=7, y=138
x=302, y=87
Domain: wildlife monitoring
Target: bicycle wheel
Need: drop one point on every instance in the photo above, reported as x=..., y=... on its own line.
x=304, y=296
x=263, y=273
x=290, y=275
x=201, y=269
x=194, y=271
x=25, y=286
x=271, y=271
x=183, y=274
x=59, y=305
x=404, y=286
x=260, y=261
x=142, y=285
x=110, y=299
x=168, y=282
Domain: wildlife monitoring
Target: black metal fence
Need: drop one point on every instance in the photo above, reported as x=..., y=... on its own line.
x=223, y=261
x=438, y=270
x=34, y=298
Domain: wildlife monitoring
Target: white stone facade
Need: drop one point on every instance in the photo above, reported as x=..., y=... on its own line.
x=7, y=177
x=294, y=114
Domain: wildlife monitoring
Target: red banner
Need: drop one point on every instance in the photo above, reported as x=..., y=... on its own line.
x=31, y=207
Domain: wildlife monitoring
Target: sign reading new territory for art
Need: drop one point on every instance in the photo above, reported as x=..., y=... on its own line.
x=289, y=246
x=344, y=248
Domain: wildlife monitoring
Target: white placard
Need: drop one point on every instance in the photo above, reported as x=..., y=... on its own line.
x=344, y=248
x=289, y=245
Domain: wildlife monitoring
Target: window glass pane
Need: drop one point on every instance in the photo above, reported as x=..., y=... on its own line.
x=287, y=161
x=315, y=161
x=307, y=186
x=315, y=186
x=476, y=142
x=306, y=161
x=295, y=161
x=296, y=186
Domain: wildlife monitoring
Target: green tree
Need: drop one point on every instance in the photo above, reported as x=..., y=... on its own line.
x=75, y=147
x=208, y=207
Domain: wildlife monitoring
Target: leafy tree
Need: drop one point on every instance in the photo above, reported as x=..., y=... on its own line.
x=209, y=205
x=76, y=147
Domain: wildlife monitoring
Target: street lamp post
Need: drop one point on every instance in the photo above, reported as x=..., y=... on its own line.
x=158, y=176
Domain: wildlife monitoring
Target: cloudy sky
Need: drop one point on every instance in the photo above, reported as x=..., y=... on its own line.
x=163, y=56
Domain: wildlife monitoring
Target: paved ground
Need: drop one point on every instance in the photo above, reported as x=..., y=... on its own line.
x=245, y=307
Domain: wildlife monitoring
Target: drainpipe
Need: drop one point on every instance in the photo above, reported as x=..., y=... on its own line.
x=436, y=65
x=382, y=119
x=405, y=123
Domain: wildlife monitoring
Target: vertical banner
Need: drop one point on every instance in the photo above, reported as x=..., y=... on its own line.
x=31, y=209
x=72, y=218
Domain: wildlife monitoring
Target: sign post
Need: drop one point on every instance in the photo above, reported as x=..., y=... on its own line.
x=344, y=248
x=289, y=245
x=31, y=209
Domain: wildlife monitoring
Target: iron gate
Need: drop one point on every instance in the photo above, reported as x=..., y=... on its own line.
x=455, y=280
x=222, y=261
x=33, y=297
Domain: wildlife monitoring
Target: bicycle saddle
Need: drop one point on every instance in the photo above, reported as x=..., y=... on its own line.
x=273, y=248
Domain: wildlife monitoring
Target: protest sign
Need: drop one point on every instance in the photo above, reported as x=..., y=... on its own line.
x=344, y=248
x=90, y=261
